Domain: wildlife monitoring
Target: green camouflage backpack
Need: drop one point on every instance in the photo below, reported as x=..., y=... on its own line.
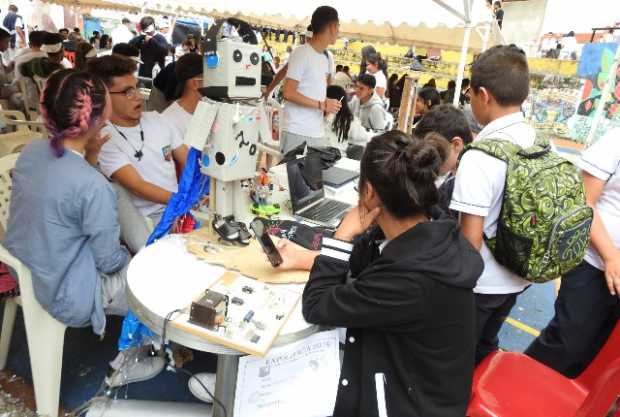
x=544, y=225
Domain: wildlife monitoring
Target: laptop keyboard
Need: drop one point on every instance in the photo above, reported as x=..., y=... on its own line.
x=326, y=211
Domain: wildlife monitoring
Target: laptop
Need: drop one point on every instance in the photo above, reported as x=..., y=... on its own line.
x=309, y=203
x=337, y=177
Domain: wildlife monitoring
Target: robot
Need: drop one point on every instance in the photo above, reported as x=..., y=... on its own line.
x=230, y=122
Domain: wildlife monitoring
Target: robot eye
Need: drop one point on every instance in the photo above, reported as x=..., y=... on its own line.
x=237, y=55
x=254, y=58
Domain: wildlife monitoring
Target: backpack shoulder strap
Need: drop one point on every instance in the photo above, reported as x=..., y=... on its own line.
x=497, y=148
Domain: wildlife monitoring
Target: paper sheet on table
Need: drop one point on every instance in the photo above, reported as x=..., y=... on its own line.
x=300, y=379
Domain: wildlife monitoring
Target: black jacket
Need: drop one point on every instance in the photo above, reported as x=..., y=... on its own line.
x=151, y=52
x=410, y=320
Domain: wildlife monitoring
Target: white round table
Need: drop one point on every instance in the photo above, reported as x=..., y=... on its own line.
x=164, y=277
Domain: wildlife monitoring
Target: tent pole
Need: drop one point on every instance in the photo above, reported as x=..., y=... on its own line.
x=600, y=108
x=486, y=36
x=461, y=73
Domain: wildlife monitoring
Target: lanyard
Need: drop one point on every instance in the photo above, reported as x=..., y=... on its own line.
x=138, y=152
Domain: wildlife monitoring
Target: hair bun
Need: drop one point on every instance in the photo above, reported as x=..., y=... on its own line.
x=424, y=157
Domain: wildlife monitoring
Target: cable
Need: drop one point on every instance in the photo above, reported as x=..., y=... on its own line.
x=184, y=371
x=215, y=400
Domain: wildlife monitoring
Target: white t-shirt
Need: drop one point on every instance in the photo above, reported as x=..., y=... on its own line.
x=178, y=119
x=602, y=160
x=311, y=69
x=157, y=164
x=478, y=190
x=381, y=80
x=24, y=57
x=121, y=34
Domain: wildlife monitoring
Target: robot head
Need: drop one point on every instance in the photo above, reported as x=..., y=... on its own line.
x=232, y=67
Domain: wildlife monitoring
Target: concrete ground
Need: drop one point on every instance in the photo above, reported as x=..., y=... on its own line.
x=85, y=359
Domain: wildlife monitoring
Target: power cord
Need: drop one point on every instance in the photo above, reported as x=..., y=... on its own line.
x=185, y=371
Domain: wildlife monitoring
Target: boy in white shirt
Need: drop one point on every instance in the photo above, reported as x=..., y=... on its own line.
x=188, y=71
x=499, y=85
x=142, y=150
x=588, y=304
x=306, y=84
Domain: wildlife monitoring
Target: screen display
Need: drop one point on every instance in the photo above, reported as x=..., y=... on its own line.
x=302, y=195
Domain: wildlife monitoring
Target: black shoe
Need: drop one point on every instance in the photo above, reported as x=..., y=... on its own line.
x=225, y=230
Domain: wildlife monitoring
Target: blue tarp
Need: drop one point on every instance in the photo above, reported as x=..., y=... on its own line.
x=192, y=187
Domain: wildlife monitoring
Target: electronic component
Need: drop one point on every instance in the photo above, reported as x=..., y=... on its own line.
x=210, y=310
x=255, y=339
x=259, y=325
x=279, y=316
x=248, y=316
x=237, y=301
x=248, y=290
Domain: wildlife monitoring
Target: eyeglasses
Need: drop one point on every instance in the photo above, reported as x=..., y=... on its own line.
x=131, y=93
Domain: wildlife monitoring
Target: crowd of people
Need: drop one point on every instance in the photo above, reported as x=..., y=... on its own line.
x=427, y=296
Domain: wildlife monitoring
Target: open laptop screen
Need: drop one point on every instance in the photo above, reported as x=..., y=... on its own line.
x=302, y=195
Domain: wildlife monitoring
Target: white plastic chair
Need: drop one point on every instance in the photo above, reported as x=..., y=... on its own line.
x=45, y=335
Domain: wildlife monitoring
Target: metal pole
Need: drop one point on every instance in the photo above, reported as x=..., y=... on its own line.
x=604, y=96
x=487, y=34
x=461, y=73
x=226, y=384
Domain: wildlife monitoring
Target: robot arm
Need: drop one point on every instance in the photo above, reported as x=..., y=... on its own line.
x=201, y=125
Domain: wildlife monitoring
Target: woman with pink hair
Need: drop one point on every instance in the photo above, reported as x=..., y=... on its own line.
x=63, y=221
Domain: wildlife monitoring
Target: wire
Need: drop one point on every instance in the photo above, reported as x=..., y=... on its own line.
x=184, y=371
x=215, y=400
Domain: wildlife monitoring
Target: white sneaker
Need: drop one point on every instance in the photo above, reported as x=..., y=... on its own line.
x=134, y=365
x=198, y=391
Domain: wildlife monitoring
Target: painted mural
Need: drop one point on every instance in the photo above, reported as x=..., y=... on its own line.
x=594, y=67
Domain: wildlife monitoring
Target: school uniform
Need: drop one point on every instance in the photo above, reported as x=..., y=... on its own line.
x=585, y=311
x=479, y=190
x=409, y=315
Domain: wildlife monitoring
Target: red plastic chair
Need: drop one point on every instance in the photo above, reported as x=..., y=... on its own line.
x=515, y=385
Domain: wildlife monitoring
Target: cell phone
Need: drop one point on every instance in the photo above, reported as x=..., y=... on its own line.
x=266, y=243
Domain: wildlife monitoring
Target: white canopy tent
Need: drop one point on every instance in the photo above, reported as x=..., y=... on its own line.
x=446, y=24
x=440, y=23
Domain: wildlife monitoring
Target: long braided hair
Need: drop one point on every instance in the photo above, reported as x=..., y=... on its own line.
x=71, y=104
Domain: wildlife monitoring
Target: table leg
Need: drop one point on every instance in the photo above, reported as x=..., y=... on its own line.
x=226, y=384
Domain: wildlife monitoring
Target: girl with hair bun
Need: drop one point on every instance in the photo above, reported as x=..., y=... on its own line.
x=63, y=221
x=409, y=309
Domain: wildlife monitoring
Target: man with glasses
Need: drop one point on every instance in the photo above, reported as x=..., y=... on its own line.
x=188, y=72
x=142, y=150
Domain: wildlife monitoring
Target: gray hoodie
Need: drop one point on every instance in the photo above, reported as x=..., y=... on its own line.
x=372, y=114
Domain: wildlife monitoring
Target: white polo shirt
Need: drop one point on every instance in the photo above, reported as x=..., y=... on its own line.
x=479, y=189
x=602, y=160
x=156, y=165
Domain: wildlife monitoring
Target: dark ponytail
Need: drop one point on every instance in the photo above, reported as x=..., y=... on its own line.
x=344, y=117
x=403, y=171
